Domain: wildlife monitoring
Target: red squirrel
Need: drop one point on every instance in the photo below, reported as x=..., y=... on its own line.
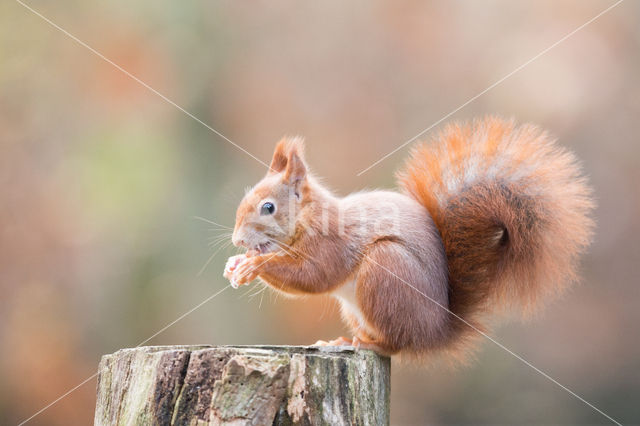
x=489, y=215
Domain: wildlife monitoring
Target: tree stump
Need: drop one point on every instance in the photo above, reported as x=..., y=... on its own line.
x=261, y=385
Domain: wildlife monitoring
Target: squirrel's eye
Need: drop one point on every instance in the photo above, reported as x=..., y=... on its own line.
x=267, y=208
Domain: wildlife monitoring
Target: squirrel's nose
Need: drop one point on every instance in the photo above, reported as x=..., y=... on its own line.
x=237, y=241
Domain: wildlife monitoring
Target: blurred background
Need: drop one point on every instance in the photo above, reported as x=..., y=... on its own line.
x=100, y=180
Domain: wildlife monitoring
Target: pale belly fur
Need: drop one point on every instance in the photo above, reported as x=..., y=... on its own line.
x=346, y=295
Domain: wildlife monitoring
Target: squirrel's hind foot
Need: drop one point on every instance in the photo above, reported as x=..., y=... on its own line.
x=370, y=345
x=340, y=341
x=356, y=342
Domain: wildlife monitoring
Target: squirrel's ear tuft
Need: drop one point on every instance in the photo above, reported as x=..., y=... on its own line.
x=288, y=158
x=279, y=160
x=296, y=169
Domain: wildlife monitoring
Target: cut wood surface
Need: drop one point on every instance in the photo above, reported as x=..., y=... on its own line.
x=257, y=385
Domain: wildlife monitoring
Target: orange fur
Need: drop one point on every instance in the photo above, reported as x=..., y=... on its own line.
x=493, y=215
x=512, y=233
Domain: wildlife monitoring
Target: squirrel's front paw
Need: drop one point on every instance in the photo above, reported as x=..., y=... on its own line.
x=231, y=266
x=246, y=271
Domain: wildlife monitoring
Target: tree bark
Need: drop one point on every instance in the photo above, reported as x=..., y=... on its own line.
x=262, y=385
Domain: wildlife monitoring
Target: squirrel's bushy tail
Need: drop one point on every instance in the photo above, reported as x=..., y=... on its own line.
x=513, y=211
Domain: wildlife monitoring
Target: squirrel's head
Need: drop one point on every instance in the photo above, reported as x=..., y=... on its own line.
x=269, y=213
